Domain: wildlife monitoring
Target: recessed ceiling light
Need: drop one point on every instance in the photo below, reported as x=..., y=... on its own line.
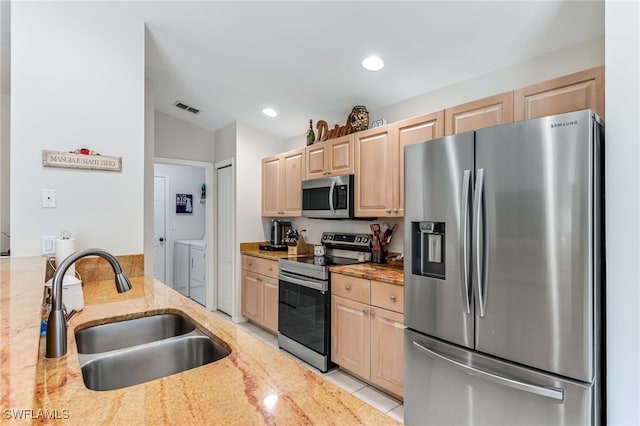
x=269, y=112
x=373, y=63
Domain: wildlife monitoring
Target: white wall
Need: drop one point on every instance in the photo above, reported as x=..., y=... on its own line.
x=622, y=152
x=252, y=146
x=77, y=81
x=181, y=180
x=175, y=138
x=5, y=175
x=5, y=119
x=225, y=142
x=149, y=152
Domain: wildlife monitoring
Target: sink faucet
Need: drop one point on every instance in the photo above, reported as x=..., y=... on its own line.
x=57, y=324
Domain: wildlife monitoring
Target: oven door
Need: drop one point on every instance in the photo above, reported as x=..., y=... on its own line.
x=303, y=311
x=329, y=198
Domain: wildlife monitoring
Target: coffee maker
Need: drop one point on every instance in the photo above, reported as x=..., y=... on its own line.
x=279, y=229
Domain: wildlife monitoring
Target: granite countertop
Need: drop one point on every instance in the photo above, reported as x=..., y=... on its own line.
x=372, y=271
x=229, y=391
x=252, y=249
x=369, y=271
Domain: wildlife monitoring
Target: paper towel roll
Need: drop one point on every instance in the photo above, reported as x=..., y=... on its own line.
x=64, y=248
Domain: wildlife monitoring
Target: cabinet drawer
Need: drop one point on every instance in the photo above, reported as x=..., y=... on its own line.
x=269, y=268
x=350, y=287
x=251, y=263
x=387, y=296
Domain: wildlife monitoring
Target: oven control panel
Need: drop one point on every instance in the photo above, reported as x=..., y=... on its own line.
x=346, y=240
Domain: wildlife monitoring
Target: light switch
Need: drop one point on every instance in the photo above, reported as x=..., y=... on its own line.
x=49, y=198
x=48, y=244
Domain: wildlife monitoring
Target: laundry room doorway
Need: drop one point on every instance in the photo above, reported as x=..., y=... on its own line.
x=188, y=216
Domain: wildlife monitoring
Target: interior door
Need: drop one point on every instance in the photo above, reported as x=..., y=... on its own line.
x=225, y=239
x=536, y=266
x=159, y=246
x=437, y=286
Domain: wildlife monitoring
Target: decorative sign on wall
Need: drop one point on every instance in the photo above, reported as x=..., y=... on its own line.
x=81, y=159
x=184, y=203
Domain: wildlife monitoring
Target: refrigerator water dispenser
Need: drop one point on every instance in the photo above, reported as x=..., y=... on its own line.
x=428, y=239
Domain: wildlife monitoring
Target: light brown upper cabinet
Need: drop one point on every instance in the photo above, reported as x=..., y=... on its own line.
x=282, y=177
x=379, y=163
x=573, y=92
x=331, y=158
x=486, y=112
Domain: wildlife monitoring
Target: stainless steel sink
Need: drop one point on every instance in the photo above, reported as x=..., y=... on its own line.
x=127, y=333
x=143, y=363
x=129, y=352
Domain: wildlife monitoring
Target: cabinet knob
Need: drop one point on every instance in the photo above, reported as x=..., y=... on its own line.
x=364, y=311
x=395, y=210
x=346, y=287
x=388, y=210
x=393, y=298
x=372, y=313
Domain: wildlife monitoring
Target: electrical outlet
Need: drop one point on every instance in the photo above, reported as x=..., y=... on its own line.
x=48, y=244
x=49, y=198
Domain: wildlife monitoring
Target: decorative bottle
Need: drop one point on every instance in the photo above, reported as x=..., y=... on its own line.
x=311, y=136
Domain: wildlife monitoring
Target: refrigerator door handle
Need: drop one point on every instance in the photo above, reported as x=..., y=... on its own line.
x=549, y=392
x=464, y=243
x=480, y=231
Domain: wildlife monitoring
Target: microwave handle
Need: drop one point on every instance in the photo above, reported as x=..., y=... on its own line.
x=331, y=189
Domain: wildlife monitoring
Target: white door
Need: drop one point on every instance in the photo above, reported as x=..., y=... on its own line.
x=225, y=239
x=159, y=251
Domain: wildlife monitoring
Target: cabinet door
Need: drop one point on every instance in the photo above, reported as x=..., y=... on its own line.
x=271, y=186
x=270, y=305
x=350, y=340
x=375, y=168
x=292, y=176
x=414, y=130
x=316, y=160
x=569, y=93
x=387, y=350
x=252, y=295
x=340, y=156
x=479, y=114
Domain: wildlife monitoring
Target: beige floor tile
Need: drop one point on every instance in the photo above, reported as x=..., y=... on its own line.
x=345, y=381
x=377, y=399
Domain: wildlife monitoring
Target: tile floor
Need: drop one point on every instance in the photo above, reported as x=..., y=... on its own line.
x=372, y=396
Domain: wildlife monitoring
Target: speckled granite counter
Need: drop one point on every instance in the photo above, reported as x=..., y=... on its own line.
x=230, y=391
x=251, y=249
x=371, y=271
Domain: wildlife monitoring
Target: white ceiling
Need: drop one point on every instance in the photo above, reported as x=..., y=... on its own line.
x=231, y=59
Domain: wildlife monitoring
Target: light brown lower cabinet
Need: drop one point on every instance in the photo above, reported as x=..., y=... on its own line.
x=367, y=340
x=260, y=291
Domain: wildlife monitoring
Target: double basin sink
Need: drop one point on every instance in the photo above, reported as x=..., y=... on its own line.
x=118, y=354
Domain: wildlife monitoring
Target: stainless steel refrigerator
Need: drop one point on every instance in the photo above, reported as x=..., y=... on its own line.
x=504, y=277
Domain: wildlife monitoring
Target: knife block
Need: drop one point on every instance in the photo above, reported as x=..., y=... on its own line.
x=301, y=247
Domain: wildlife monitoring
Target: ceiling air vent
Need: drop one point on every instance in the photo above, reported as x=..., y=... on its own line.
x=186, y=107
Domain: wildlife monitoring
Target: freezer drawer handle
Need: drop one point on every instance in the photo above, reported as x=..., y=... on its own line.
x=464, y=246
x=548, y=392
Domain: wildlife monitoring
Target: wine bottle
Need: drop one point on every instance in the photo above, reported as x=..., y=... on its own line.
x=311, y=136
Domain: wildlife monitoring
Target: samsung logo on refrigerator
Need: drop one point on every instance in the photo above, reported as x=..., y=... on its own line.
x=564, y=124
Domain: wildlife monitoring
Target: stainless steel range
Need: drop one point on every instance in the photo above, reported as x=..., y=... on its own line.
x=304, y=303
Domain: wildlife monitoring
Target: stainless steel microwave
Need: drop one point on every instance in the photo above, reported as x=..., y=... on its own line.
x=328, y=198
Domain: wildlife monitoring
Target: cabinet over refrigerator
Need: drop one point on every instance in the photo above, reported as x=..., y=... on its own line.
x=503, y=278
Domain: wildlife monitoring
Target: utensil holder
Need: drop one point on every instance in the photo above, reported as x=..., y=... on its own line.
x=378, y=254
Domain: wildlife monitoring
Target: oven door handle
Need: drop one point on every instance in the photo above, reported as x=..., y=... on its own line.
x=304, y=282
